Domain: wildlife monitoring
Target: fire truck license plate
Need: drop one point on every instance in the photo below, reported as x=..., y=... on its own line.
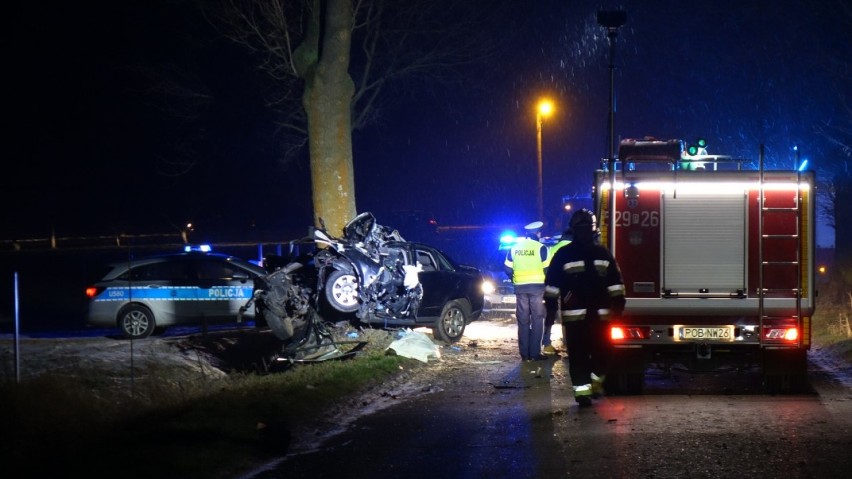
x=705, y=333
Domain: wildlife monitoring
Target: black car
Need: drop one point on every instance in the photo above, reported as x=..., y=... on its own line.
x=452, y=293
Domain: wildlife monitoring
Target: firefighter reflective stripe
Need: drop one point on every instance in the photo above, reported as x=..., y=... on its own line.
x=597, y=384
x=551, y=291
x=603, y=314
x=574, y=267
x=582, y=390
x=601, y=265
x=573, y=314
x=616, y=290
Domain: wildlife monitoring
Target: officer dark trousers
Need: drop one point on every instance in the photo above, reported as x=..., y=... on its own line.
x=530, y=316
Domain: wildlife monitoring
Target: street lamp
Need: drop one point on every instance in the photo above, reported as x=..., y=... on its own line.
x=543, y=109
x=611, y=20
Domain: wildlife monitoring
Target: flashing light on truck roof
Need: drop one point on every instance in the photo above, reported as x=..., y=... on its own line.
x=198, y=248
x=699, y=148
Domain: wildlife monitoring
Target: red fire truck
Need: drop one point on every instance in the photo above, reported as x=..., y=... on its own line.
x=717, y=256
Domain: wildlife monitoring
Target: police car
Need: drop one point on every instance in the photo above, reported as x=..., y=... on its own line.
x=498, y=287
x=500, y=299
x=195, y=287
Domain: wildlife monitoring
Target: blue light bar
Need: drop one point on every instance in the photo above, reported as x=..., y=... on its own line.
x=201, y=248
x=508, y=238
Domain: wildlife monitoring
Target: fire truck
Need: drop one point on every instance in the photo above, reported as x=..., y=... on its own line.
x=717, y=256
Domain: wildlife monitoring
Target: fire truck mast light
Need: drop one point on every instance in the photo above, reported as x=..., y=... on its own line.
x=731, y=188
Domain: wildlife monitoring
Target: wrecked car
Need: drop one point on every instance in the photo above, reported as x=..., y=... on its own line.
x=370, y=276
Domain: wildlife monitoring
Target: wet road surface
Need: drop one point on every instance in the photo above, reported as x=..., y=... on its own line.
x=509, y=419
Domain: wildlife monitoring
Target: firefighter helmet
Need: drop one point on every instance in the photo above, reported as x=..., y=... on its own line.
x=584, y=219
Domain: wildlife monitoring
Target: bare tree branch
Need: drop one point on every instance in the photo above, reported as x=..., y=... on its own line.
x=422, y=40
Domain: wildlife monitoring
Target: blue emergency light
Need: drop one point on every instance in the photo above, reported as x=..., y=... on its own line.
x=507, y=239
x=200, y=248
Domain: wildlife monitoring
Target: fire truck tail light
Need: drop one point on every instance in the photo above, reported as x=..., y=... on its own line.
x=617, y=333
x=787, y=334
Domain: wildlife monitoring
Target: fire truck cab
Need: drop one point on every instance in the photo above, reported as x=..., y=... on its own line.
x=717, y=257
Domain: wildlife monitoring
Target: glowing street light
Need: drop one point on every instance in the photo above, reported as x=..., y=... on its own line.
x=543, y=110
x=611, y=20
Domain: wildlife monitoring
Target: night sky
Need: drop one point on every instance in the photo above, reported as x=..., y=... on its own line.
x=96, y=136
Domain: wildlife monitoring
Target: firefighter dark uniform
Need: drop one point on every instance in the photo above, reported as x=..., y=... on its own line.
x=526, y=264
x=551, y=304
x=586, y=279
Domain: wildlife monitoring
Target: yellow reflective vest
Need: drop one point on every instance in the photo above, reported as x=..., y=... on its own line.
x=525, y=260
x=553, y=249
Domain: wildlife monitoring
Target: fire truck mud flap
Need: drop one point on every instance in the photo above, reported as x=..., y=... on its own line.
x=785, y=371
x=626, y=374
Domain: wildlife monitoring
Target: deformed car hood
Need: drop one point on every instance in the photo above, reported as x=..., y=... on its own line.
x=360, y=227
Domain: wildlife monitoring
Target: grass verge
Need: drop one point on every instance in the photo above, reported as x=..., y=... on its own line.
x=55, y=425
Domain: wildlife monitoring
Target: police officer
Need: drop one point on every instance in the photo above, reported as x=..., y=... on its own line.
x=526, y=264
x=551, y=303
x=585, y=278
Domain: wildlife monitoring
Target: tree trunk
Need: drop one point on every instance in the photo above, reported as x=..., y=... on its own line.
x=327, y=101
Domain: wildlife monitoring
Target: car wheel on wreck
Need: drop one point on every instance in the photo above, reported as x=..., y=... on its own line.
x=449, y=327
x=341, y=291
x=282, y=327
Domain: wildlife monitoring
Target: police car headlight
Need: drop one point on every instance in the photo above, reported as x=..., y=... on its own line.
x=488, y=286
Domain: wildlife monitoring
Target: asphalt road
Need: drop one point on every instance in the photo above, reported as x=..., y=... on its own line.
x=506, y=419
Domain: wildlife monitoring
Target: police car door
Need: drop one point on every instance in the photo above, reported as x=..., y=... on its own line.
x=166, y=287
x=222, y=289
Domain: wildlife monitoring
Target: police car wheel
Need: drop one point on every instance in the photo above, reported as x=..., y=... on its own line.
x=136, y=322
x=341, y=291
x=449, y=327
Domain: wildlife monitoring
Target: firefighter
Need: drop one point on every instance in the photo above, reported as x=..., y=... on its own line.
x=526, y=263
x=586, y=279
x=551, y=304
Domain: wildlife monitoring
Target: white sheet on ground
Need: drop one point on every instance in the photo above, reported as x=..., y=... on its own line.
x=415, y=345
